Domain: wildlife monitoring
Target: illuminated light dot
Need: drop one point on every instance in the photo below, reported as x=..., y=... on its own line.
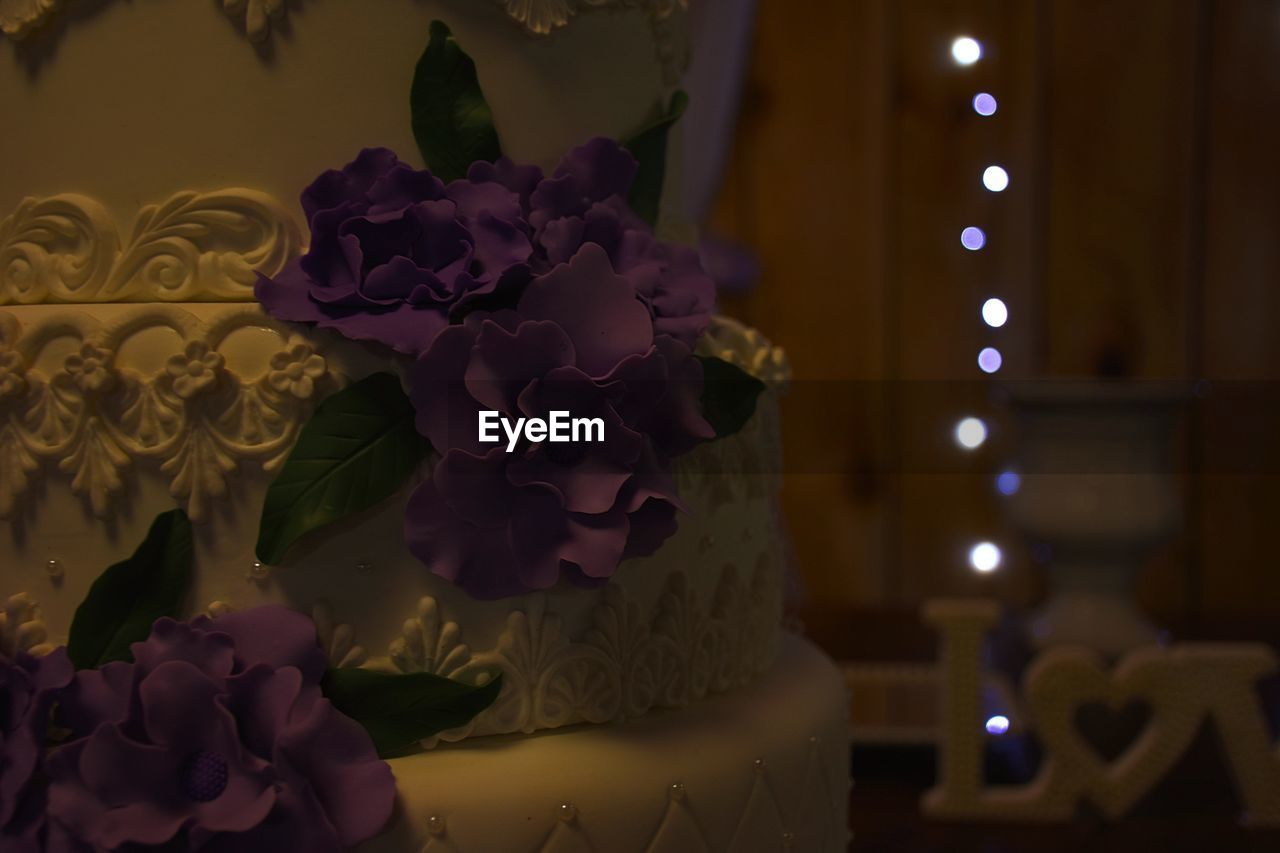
x=985, y=104
x=1008, y=483
x=989, y=360
x=971, y=433
x=995, y=313
x=966, y=50
x=995, y=178
x=997, y=725
x=985, y=557
x=973, y=238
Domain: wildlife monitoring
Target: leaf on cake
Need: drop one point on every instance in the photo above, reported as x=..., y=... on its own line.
x=452, y=121
x=649, y=147
x=729, y=395
x=127, y=598
x=398, y=711
x=357, y=450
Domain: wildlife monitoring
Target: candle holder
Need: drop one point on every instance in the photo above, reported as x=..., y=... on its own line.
x=1097, y=496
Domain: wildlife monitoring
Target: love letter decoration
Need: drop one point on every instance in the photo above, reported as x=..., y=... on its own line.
x=1182, y=686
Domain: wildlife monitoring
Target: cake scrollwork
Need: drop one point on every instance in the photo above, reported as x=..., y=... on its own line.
x=192, y=247
x=98, y=411
x=624, y=665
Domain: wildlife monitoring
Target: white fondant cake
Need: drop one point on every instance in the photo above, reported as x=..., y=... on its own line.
x=151, y=179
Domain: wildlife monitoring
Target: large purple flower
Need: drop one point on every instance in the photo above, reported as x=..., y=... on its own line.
x=396, y=255
x=217, y=738
x=28, y=687
x=394, y=251
x=579, y=340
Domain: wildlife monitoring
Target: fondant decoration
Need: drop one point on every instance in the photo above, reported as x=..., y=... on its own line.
x=216, y=730
x=130, y=596
x=1183, y=685
x=744, y=347
x=109, y=405
x=338, y=640
x=29, y=687
x=22, y=627
x=193, y=247
x=20, y=17
x=430, y=643
x=624, y=665
x=543, y=16
x=452, y=121
x=499, y=523
x=649, y=147
x=358, y=449
x=256, y=15
x=399, y=710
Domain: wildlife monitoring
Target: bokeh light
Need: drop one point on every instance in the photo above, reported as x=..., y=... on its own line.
x=985, y=104
x=966, y=50
x=973, y=238
x=1008, y=483
x=985, y=557
x=995, y=179
x=997, y=725
x=971, y=433
x=990, y=360
x=995, y=313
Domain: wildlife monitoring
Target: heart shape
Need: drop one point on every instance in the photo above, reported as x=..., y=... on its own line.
x=1064, y=680
x=1110, y=730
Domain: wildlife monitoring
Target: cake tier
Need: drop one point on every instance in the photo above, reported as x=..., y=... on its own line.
x=104, y=425
x=131, y=103
x=764, y=768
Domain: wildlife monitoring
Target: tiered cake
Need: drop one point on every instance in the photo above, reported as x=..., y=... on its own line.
x=271, y=406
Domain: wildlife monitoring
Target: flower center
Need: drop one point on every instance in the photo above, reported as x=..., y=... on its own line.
x=204, y=776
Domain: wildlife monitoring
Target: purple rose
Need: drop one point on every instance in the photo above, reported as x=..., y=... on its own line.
x=28, y=687
x=579, y=340
x=217, y=738
x=394, y=251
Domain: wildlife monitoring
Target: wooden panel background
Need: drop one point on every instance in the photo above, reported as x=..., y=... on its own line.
x=1140, y=234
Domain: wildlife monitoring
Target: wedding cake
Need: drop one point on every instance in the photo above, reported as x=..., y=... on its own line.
x=375, y=471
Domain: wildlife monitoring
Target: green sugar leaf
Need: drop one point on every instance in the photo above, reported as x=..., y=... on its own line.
x=358, y=449
x=452, y=121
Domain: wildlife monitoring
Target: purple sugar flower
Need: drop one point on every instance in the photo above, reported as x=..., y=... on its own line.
x=28, y=687
x=217, y=736
x=394, y=251
x=584, y=201
x=579, y=340
x=396, y=255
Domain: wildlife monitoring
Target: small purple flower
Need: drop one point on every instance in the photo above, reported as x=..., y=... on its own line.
x=28, y=687
x=579, y=340
x=217, y=737
x=394, y=251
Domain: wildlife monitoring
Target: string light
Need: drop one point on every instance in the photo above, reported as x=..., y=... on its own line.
x=989, y=360
x=973, y=238
x=1008, y=483
x=985, y=104
x=995, y=179
x=995, y=313
x=997, y=725
x=971, y=433
x=966, y=50
x=985, y=557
